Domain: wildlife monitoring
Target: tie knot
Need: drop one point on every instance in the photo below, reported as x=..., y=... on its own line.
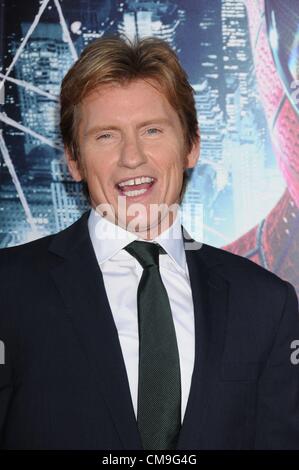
x=147, y=254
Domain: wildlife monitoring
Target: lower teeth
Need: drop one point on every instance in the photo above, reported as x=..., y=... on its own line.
x=135, y=193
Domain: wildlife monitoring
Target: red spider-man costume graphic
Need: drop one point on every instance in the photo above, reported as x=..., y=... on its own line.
x=274, y=242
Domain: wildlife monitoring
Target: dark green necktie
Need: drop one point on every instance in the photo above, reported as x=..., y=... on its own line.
x=159, y=384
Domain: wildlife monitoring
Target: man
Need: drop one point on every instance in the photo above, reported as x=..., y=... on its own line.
x=121, y=332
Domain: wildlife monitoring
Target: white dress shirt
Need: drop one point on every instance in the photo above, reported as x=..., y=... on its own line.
x=121, y=275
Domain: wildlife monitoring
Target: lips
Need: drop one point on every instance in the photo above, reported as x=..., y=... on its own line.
x=136, y=187
x=135, y=178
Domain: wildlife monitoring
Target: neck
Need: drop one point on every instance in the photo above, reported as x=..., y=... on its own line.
x=152, y=232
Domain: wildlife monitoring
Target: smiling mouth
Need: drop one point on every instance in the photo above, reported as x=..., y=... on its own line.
x=136, y=190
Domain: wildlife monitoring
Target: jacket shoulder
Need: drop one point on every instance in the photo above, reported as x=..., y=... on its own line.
x=32, y=250
x=240, y=269
x=37, y=250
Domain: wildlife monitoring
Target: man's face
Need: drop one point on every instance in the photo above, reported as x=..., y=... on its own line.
x=126, y=132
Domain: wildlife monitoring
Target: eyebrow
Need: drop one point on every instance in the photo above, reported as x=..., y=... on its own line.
x=154, y=121
x=95, y=129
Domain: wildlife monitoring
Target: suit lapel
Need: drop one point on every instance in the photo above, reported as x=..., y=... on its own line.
x=210, y=294
x=80, y=283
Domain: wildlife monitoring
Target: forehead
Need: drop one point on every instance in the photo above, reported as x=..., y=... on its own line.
x=130, y=100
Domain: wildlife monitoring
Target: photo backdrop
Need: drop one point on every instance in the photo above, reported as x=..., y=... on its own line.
x=242, y=59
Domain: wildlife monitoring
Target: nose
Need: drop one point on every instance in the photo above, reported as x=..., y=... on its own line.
x=132, y=153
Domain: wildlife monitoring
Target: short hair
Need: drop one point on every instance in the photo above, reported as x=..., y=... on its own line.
x=111, y=60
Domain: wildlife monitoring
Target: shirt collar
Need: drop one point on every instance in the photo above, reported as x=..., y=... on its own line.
x=101, y=230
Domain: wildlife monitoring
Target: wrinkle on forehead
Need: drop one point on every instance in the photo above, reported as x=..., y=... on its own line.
x=152, y=105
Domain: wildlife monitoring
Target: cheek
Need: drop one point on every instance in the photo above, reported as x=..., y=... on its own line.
x=170, y=159
x=176, y=166
x=95, y=167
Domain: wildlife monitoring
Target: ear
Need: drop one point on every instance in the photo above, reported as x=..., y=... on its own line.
x=193, y=155
x=73, y=166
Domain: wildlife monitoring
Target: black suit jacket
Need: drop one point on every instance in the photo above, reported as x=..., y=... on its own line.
x=64, y=382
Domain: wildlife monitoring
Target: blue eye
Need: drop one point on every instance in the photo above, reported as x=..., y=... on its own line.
x=103, y=136
x=153, y=131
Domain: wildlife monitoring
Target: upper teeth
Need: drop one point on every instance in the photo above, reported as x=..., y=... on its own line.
x=143, y=179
